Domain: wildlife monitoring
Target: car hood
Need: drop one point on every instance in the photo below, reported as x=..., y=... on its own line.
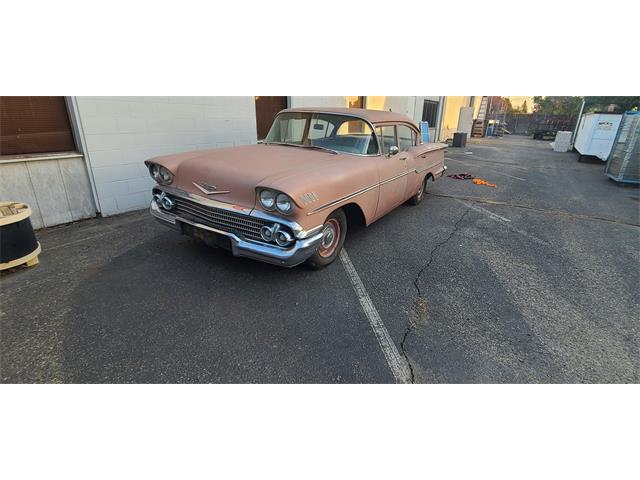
x=237, y=171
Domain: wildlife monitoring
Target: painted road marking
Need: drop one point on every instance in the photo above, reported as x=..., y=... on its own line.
x=477, y=208
x=397, y=363
x=504, y=220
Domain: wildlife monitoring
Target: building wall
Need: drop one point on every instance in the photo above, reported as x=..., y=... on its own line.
x=319, y=101
x=121, y=132
x=408, y=105
x=57, y=189
x=451, y=115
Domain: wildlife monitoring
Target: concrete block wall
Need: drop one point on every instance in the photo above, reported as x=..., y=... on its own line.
x=57, y=190
x=121, y=132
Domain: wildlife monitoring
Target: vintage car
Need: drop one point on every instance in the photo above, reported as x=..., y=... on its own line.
x=290, y=198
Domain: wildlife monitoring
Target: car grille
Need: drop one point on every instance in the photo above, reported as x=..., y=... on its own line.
x=246, y=226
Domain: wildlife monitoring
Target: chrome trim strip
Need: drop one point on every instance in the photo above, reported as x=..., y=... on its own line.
x=340, y=200
x=359, y=192
x=396, y=177
x=297, y=229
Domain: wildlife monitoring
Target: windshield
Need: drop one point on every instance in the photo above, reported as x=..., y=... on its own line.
x=341, y=133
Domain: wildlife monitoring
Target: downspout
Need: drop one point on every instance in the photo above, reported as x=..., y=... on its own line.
x=81, y=144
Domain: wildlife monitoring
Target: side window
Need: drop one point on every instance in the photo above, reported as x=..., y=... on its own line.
x=387, y=136
x=406, y=137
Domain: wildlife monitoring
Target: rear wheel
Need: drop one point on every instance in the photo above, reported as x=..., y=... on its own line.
x=334, y=232
x=417, y=198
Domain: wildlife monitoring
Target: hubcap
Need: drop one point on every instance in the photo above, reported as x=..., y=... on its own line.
x=330, y=238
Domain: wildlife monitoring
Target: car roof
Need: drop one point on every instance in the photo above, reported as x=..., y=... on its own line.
x=372, y=116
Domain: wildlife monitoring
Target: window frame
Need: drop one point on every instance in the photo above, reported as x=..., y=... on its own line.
x=432, y=109
x=395, y=125
x=70, y=129
x=395, y=135
x=412, y=130
x=322, y=112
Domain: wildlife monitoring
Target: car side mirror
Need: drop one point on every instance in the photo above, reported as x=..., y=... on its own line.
x=393, y=150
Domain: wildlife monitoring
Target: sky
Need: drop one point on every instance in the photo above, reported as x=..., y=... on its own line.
x=517, y=102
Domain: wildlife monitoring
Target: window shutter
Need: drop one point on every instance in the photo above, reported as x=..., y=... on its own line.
x=34, y=125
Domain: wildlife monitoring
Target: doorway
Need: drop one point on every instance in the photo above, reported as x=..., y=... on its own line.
x=266, y=110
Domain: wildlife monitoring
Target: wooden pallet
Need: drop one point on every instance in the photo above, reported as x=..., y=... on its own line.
x=29, y=260
x=11, y=212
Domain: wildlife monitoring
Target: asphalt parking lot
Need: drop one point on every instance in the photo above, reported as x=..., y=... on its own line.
x=535, y=280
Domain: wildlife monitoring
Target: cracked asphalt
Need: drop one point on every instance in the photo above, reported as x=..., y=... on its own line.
x=535, y=280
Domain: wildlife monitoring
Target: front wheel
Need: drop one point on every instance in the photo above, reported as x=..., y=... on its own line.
x=334, y=232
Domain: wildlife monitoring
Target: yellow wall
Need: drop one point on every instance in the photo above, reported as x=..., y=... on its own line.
x=451, y=114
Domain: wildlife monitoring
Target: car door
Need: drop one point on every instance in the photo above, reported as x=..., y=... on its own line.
x=392, y=169
x=407, y=138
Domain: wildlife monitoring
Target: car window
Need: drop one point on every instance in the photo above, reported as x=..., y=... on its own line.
x=387, y=136
x=406, y=138
x=320, y=128
x=341, y=133
x=288, y=129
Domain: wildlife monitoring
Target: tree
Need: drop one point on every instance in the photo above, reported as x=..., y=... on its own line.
x=524, y=108
x=499, y=105
x=557, y=105
x=593, y=104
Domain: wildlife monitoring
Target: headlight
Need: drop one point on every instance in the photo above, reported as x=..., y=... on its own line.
x=284, y=204
x=160, y=174
x=267, y=199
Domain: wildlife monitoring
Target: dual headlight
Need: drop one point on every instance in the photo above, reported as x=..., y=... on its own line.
x=160, y=174
x=271, y=201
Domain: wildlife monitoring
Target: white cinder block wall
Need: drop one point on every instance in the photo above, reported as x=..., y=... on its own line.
x=122, y=132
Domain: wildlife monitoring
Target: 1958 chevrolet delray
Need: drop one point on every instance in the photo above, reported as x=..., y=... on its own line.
x=290, y=198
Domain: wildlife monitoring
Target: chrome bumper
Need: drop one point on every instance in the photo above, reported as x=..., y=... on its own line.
x=300, y=251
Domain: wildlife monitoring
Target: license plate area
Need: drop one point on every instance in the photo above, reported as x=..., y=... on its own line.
x=212, y=239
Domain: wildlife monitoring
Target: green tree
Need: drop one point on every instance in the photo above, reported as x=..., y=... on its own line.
x=557, y=105
x=524, y=108
x=593, y=104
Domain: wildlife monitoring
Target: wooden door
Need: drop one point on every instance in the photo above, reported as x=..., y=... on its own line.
x=266, y=110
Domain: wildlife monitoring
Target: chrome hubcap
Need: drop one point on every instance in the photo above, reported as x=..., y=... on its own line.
x=330, y=238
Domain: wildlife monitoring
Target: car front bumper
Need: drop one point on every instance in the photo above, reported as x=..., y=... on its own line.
x=291, y=256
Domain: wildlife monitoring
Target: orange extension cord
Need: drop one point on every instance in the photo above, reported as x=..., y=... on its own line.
x=479, y=181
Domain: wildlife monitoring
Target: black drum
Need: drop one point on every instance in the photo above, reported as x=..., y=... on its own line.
x=18, y=244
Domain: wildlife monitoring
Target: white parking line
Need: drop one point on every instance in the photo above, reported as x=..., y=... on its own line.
x=499, y=218
x=494, y=216
x=398, y=365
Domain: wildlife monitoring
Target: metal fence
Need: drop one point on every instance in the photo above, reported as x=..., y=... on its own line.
x=529, y=123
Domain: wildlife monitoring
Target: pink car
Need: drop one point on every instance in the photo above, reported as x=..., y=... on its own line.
x=290, y=198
